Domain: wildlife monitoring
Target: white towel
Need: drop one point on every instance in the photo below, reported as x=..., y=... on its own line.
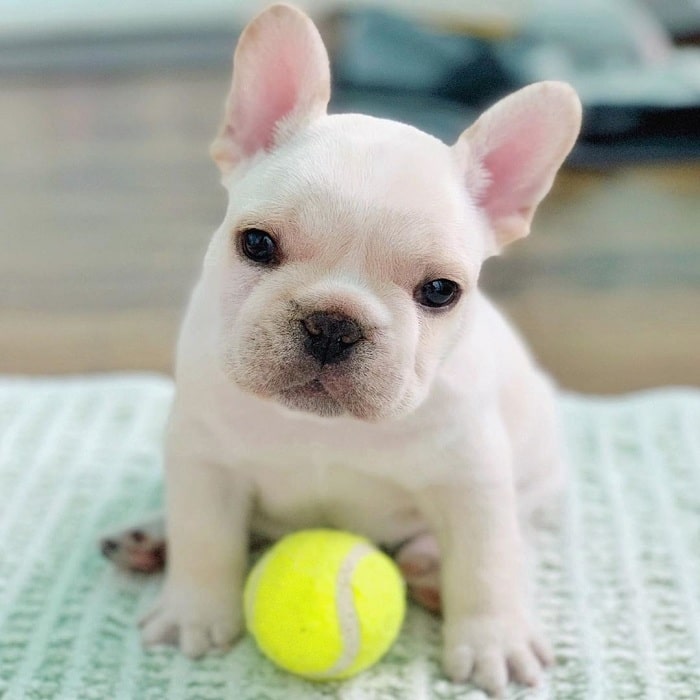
x=618, y=584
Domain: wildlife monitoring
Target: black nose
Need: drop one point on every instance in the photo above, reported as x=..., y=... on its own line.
x=330, y=337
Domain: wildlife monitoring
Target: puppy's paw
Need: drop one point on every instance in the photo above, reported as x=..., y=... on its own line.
x=490, y=649
x=140, y=549
x=419, y=562
x=195, y=620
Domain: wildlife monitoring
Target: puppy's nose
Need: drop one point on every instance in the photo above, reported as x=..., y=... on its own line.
x=330, y=337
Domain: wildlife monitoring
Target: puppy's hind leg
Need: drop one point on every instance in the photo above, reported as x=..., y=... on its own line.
x=141, y=548
x=419, y=562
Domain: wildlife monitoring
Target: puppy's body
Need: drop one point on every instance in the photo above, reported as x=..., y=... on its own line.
x=338, y=364
x=362, y=476
x=308, y=470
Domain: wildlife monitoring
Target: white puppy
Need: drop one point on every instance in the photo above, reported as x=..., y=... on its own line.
x=339, y=366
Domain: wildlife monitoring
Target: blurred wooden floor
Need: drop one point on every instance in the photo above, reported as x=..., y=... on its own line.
x=108, y=199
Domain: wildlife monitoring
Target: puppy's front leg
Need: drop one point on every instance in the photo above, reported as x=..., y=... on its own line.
x=207, y=523
x=488, y=629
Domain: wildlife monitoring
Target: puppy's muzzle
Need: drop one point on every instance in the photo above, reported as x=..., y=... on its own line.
x=330, y=337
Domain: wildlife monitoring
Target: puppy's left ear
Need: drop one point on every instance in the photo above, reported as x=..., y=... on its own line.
x=281, y=82
x=511, y=154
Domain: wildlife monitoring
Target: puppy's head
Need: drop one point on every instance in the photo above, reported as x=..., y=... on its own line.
x=351, y=247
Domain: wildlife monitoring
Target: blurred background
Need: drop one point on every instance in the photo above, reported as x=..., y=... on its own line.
x=108, y=198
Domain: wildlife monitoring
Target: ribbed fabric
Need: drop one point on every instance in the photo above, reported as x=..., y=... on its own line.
x=618, y=583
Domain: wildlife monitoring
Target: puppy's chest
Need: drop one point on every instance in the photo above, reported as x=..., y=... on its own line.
x=323, y=495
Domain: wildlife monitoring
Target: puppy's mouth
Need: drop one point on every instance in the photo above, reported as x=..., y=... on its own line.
x=313, y=397
x=313, y=388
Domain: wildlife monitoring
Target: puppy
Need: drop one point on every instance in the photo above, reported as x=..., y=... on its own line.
x=338, y=365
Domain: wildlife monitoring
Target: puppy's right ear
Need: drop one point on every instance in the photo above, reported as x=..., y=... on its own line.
x=281, y=82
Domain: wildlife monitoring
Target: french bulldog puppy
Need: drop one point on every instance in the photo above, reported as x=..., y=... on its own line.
x=338, y=365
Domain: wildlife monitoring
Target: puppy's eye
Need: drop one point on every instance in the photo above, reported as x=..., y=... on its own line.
x=258, y=246
x=437, y=293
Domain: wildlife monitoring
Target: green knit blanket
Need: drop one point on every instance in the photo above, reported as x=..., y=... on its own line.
x=618, y=583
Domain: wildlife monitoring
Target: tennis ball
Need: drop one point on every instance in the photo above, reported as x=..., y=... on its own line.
x=324, y=604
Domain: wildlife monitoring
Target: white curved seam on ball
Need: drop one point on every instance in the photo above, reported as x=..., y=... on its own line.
x=346, y=610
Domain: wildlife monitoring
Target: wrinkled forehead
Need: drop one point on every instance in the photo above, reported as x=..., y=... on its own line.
x=373, y=160
x=356, y=182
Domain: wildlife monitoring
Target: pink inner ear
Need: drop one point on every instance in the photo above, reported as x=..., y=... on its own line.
x=280, y=70
x=516, y=169
x=513, y=151
x=272, y=97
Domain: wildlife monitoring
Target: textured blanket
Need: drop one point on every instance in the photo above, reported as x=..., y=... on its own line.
x=618, y=583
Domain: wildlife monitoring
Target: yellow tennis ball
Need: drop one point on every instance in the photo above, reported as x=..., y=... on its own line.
x=324, y=604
